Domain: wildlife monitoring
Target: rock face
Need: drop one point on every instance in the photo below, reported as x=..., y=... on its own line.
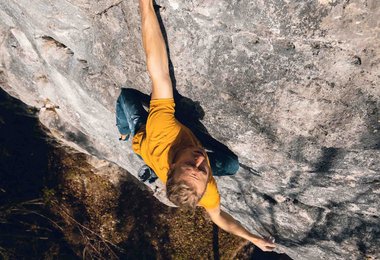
x=292, y=87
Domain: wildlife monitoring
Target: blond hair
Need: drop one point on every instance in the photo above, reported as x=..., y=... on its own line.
x=181, y=193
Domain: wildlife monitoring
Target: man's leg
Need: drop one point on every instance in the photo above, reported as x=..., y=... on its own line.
x=130, y=114
x=223, y=163
x=121, y=120
x=222, y=160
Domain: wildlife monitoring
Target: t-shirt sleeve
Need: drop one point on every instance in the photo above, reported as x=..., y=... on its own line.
x=211, y=198
x=161, y=120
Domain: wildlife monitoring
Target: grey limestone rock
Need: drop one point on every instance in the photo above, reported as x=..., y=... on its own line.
x=292, y=87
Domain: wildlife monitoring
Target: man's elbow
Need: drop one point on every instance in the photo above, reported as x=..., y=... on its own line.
x=159, y=76
x=157, y=71
x=223, y=220
x=217, y=219
x=223, y=225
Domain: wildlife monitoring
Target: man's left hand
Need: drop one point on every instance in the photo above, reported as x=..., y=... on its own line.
x=263, y=244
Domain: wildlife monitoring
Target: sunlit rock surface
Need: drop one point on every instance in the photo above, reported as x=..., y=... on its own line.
x=292, y=87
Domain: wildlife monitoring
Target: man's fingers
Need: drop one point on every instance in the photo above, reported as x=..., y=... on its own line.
x=267, y=245
x=269, y=248
x=270, y=244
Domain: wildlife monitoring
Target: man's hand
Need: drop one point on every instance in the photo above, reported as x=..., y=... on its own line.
x=229, y=224
x=264, y=244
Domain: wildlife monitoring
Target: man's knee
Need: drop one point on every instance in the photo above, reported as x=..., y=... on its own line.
x=232, y=165
x=128, y=92
x=223, y=164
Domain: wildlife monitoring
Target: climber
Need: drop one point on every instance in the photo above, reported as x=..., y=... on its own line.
x=169, y=148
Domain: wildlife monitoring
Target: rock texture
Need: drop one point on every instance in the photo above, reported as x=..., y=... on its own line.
x=292, y=87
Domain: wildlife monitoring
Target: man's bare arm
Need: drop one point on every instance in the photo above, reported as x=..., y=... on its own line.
x=155, y=51
x=229, y=224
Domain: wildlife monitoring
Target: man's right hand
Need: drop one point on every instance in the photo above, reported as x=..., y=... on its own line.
x=226, y=222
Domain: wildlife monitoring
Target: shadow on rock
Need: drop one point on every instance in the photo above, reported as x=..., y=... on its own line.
x=27, y=230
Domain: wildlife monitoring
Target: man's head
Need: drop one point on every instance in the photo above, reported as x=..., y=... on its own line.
x=188, y=177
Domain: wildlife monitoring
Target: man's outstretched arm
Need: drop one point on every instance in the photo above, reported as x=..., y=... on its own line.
x=229, y=224
x=155, y=51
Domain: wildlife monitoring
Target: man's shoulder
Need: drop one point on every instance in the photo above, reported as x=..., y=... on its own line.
x=161, y=117
x=211, y=197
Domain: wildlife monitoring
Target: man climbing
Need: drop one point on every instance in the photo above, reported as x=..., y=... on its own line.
x=172, y=150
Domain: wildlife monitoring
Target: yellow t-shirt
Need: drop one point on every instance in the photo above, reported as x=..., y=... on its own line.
x=162, y=136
